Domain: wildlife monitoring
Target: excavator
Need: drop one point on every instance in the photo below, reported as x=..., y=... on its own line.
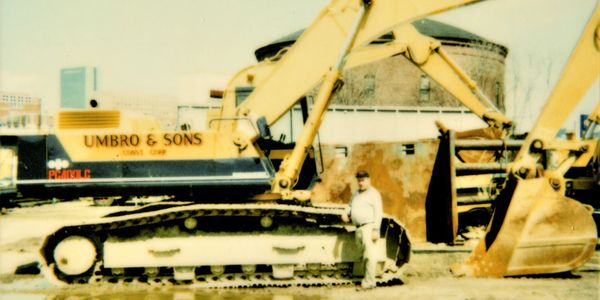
x=227, y=188
x=234, y=219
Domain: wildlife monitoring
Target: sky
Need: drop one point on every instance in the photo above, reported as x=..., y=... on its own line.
x=181, y=48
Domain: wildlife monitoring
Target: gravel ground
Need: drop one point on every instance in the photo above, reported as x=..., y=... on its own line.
x=427, y=275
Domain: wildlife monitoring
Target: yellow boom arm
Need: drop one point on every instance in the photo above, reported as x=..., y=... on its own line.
x=579, y=73
x=305, y=64
x=427, y=54
x=423, y=51
x=535, y=229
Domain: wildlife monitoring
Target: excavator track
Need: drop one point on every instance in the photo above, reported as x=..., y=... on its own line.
x=305, y=246
x=240, y=280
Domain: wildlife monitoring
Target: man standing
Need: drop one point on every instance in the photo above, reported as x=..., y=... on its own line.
x=365, y=211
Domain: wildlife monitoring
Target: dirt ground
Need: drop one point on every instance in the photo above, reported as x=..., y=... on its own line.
x=427, y=276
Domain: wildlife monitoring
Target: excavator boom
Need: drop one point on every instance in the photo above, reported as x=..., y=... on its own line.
x=425, y=52
x=535, y=228
x=321, y=43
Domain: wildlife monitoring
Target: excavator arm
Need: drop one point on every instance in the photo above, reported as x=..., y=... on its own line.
x=423, y=51
x=580, y=72
x=427, y=54
x=535, y=229
x=305, y=64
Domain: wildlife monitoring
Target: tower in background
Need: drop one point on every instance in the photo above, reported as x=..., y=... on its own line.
x=76, y=86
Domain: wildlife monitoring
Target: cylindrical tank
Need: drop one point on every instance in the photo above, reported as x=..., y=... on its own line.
x=395, y=81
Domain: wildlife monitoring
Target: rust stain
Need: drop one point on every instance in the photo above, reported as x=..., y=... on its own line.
x=401, y=178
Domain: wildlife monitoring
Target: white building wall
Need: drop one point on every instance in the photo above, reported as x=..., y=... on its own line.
x=357, y=124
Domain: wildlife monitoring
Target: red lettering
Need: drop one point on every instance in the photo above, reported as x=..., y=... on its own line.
x=70, y=174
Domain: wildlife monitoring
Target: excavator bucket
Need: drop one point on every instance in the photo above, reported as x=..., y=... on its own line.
x=534, y=230
x=465, y=163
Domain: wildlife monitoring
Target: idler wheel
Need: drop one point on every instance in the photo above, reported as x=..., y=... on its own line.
x=75, y=255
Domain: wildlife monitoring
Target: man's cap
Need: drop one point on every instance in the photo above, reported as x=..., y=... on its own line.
x=362, y=174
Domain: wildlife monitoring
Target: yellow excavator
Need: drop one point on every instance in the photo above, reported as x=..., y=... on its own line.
x=535, y=228
x=228, y=190
x=237, y=221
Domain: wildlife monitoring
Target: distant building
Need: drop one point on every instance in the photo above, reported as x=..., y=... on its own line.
x=395, y=81
x=19, y=111
x=76, y=86
x=392, y=99
x=163, y=108
x=391, y=122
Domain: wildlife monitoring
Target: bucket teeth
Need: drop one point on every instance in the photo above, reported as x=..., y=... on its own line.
x=534, y=230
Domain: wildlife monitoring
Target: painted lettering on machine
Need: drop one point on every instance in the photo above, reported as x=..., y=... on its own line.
x=146, y=145
x=135, y=140
x=69, y=174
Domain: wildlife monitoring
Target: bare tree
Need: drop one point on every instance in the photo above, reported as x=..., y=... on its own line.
x=529, y=83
